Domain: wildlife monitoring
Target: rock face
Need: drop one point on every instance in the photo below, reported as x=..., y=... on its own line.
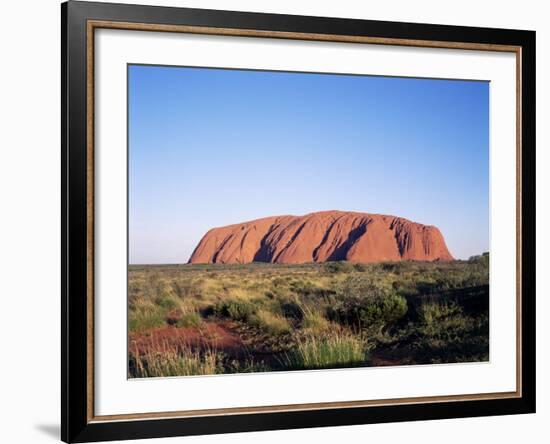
x=321, y=237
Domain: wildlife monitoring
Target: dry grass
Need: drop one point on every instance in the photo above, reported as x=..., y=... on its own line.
x=270, y=322
x=312, y=315
x=175, y=363
x=315, y=322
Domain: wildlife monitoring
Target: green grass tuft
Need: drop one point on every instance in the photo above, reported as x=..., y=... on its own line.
x=337, y=350
x=272, y=323
x=191, y=319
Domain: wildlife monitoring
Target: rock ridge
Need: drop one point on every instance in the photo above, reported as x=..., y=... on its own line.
x=321, y=237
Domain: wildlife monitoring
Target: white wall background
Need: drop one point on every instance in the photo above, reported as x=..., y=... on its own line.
x=30, y=203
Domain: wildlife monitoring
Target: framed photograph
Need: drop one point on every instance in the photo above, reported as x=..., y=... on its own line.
x=275, y=221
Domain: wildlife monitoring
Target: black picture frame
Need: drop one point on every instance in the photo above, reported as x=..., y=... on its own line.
x=76, y=423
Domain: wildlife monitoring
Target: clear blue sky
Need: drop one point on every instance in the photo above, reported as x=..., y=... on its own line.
x=211, y=147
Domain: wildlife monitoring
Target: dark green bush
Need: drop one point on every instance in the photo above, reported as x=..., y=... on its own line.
x=291, y=309
x=236, y=309
x=166, y=302
x=364, y=303
x=191, y=319
x=426, y=287
x=360, y=267
x=360, y=285
x=370, y=312
x=338, y=267
x=279, y=282
x=482, y=259
x=301, y=287
x=389, y=266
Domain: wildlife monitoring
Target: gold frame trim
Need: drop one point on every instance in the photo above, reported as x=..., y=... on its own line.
x=96, y=24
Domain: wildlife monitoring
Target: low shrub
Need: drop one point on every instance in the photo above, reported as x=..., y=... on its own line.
x=292, y=309
x=431, y=313
x=236, y=309
x=315, y=322
x=166, y=302
x=302, y=287
x=363, y=303
x=146, y=317
x=278, y=282
x=442, y=332
x=442, y=323
x=185, y=289
x=370, y=312
x=141, y=323
x=270, y=322
x=191, y=319
x=338, y=267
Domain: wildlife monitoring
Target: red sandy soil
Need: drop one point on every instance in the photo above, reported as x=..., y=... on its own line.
x=382, y=358
x=209, y=336
x=320, y=237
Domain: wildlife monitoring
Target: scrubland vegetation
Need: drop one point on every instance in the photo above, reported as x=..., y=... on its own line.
x=209, y=319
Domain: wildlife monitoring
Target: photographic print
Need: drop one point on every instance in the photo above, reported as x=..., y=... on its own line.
x=284, y=221
x=256, y=205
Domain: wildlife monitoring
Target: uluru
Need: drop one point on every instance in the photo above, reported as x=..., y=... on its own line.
x=322, y=237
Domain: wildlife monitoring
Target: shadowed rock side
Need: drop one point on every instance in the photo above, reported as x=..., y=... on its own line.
x=321, y=237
